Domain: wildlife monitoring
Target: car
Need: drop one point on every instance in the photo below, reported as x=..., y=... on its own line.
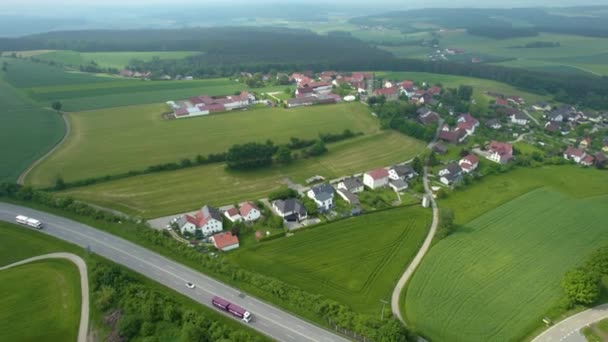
x=190, y=285
x=168, y=227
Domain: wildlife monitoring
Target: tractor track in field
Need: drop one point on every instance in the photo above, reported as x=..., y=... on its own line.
x=68, y=129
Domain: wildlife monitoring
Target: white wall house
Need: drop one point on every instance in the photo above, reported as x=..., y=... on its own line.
x=249, y=212
x=323, y=195
x=375, y=179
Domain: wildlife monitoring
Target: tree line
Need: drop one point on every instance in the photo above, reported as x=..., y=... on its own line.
x=310, y=305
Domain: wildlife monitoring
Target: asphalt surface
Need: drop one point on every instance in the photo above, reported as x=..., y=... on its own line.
x=568, y=329
x=267, y=319
x=83, y=327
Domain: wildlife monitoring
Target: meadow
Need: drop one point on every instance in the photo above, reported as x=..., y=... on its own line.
x=31, y=312
x=167, y=193
x=525, y=228
x=141, y=137
x=27, y=131
x=354, y=261
x=117, y=59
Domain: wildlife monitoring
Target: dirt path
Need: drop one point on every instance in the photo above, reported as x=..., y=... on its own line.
x=84, y=285
x=23, y=175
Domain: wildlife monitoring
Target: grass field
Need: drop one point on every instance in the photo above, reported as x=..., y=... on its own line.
x=173, y=192
x=524, y=229
x=140, y=137
x=116, y=60
x=354, y=261
x=27, y=131
x=40, y=301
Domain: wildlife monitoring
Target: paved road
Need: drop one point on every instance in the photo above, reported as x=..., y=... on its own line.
x=66, y=122
x=267, y=319
x=567, y=330
x=409, y=271
x=83, y=328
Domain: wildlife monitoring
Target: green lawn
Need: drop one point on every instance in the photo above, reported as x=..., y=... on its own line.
x=40, y=302
x=524, y=229
x=355, y=261
x=27, y=131
x=140, y=137
x=173, y=192
x=116, y=60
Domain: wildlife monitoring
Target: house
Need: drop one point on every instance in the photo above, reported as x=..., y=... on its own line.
x=453, y=137
x=542, y=107
x=575, y=154
x=249, y=212
x=502, y=102
x=467, y=123
x=302, y=101
x=407, y=84
x=450, y=174
x=600, y=160
x=323, y=195
x=351, y=184
x=304, y=92
x=500, y=152
x=493, y=124
x=518, y=100
x=520, y=118
x=434, y=91
x=403, y=171
x=208, y=220
x=585, y=143
x=440, y=148
x=390, y=94
x=397, y=185
x=427, y=117
x=375, y=179
x=290, y=209
x=588, y=160
x=348, y=196
x=469, y=163
x=205, y=104
x=225, y=241
x=551, y=127
x=233, y=215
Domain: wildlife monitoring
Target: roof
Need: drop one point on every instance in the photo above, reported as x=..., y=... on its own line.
x=493, y=123
x=352, y=198
x=223, y=240
x=429, y=117
x=206, y=214
x=502, y=102
x=399, y=183
x=323, y=192
x=454, y=171
x=289, y=205
x=588, y=159
x=352, y=183
x=572, y=151
x=520, y=116
x=600, y=157
x=377, y=173
x=503, y=149
x=232, y=212
x=303, y=100
x=471, y=159
x=403, y=170
x=246, y=208
x=386, y=91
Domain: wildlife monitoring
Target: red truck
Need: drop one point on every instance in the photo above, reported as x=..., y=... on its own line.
x=233, y=309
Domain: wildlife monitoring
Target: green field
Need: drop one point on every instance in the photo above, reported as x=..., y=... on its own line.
x=355, y=261
x=525, y=229
x=173, y=192
x=117, y=60
x=27, y=131
x=40, y=302
x=141, y=137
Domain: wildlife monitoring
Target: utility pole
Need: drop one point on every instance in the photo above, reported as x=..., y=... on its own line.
x=384, y=302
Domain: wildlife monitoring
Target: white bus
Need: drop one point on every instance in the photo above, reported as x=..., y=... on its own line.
x=28, y=221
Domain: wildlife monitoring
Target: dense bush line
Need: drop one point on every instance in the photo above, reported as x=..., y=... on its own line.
x=582, y=285
x=311, y=305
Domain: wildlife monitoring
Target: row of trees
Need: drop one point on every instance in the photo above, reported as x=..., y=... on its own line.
x=401, y=116
x=582, y=284
x=310, y=305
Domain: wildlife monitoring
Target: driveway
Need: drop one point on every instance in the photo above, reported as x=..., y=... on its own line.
x=84, y=285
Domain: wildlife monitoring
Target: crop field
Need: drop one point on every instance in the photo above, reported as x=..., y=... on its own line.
x=498, y=275
x=140, y=137
x=167, y=193
x=116, y=60
x=355, y=261
x=31, y=312
x=27, y=131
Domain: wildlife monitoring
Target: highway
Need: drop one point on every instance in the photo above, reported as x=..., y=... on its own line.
x=267, y=319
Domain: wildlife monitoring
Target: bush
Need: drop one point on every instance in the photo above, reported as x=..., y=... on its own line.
x=282, y=193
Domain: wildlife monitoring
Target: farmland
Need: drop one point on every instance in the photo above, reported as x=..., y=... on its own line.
x=155, y=195
x=354, y=261
x=140, y=137
x=117, y=60
x=28, y=129
x=30, y=312
x=525, y=229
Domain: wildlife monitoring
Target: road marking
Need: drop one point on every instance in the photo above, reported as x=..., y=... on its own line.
x=291, y=337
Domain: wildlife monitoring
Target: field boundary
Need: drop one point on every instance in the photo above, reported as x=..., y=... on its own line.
x=83, y=327
x=68, y=129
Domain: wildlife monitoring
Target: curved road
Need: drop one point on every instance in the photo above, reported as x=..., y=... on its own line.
x=84, y=285
x=409, y=271
x=267, y=319
x=569, y=326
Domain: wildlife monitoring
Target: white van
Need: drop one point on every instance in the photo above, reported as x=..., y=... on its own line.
x=29, y=221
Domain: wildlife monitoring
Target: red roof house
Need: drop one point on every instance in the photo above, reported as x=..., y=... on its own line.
x=500, y=152
x=469, y=163
x=225, y=241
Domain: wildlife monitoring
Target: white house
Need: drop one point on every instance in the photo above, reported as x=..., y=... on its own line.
x=398, y=185
x=187, y=224
x=375, y=179
x=469, y=163
x=450, y=174
x=520, y=119
x=351, y=184
x=290, y=209
x=575, y=154
x=208, y=220
x=233, y=215
x=323, y=195
x=249, y=212
x=403, y=172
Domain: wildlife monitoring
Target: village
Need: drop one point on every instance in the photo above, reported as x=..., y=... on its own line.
x=462, y=144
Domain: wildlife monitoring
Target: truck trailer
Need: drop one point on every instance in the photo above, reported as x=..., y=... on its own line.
x=233, y=309
x=28, y=221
